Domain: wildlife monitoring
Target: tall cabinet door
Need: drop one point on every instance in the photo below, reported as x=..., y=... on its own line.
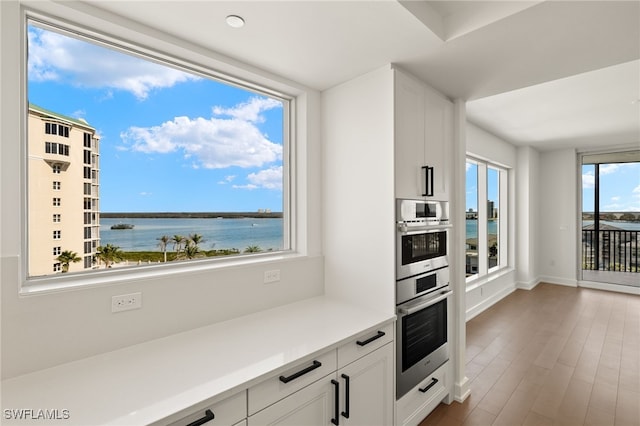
x=370, y=389
x=438, y=113
x=409, y=136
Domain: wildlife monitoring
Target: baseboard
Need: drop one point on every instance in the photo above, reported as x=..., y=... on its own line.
x=559, y=281
x=489, y=301
x=530, y=285
x=461, y=391
x=610, y=287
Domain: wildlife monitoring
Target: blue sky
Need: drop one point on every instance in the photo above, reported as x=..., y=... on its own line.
x=619, y=187
x=169, y=141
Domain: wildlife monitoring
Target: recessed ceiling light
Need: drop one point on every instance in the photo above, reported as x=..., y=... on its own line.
x=235, y=21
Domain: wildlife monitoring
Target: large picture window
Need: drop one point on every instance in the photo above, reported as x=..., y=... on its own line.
x=486, y=218
x=150, y=161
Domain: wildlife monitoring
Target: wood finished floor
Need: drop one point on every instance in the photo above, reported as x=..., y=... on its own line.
x=554, y=355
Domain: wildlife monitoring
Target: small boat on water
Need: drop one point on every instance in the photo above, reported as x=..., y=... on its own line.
x=122, y=226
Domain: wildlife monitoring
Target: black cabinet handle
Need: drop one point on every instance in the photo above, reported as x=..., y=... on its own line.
x=371, y=339
x=428, y=181
x=345, y=413
x=336, y=419
x=294, y=376
x=208, y=416
x=429, y=386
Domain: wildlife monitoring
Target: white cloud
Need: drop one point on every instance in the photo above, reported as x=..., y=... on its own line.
x=615, y=199
x=249, y=111
x=227, y=179
x=216, y=143
x=270, y=178
x=636, y=190
x=56, y=57
x=588, y=180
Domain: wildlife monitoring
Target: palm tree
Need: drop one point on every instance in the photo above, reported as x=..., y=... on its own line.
x=164, y=240
x=178, y=240
x=191, y=250
x=196, y=239
x=66, y=257
x=253, y=249
x=109, y=254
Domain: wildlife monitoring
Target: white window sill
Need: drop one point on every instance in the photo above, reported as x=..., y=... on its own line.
x=494, y=275
x=62, y=282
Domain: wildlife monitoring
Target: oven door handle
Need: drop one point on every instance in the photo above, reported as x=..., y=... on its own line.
x=412, y=309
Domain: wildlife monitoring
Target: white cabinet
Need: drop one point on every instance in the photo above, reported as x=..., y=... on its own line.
x=416, y=404
x=215, y=412
x=366, y=389
x=423, y=140
x=291, y=380
x=360, y=392
x=312, y=405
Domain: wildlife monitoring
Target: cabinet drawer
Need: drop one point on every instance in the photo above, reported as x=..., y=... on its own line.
x=415, y=405
x=226, y=412
x=291, y=380
x=363, y=344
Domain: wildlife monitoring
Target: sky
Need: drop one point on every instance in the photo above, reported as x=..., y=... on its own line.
x=169, y=141
x=619, y=187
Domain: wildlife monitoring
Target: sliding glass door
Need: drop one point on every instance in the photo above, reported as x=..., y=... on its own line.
x=611, y=218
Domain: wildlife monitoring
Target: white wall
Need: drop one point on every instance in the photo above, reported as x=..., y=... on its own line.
x=527, y=211
x=358, y=190
x=487, y=291
x=40, y=331
x=557, y=224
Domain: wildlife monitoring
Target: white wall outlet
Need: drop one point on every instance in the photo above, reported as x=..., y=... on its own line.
x=126, y=302
x=272, y=276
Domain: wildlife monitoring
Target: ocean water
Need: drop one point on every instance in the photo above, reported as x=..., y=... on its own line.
x=627, y=226
x=472, y=228
x=217, y=233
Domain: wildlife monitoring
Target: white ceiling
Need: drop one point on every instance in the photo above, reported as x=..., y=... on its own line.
x=551, y=74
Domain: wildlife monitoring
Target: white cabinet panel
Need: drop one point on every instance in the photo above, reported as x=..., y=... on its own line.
x=370, y=389
x=423, y=138
x=274, y=389
x=438, y=141
x=222, y=413
x=415, y=405
x=409, y=136
x=312, y=405
x=364, y=344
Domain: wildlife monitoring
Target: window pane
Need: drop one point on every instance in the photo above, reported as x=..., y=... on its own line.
x=493, y=209
x=171, y=165
x=472, y=219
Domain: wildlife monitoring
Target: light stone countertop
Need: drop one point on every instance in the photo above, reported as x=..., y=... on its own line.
x=147, y=382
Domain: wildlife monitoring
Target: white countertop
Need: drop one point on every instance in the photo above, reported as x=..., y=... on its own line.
x=147, y=382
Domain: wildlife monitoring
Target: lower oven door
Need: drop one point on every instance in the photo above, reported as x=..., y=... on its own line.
x=422, y=344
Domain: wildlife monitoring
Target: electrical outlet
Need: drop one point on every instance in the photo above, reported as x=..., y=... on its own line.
x=126, y=302
x=272, y=276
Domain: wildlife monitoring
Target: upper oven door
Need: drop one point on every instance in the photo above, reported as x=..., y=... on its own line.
x=420, y=250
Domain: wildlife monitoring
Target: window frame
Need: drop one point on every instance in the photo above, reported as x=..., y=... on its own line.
x=484, y=270
x=160, y=51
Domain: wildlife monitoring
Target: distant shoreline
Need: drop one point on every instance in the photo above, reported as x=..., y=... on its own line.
x=191, y=215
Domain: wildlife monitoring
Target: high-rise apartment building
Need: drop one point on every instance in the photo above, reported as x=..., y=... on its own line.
x=64, y=201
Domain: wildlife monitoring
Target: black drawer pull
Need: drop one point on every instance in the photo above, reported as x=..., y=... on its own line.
x=208, y=416
x=336, y=419
x=294, y=376
x=429, y=386
x=371, y=339
x=345, y=413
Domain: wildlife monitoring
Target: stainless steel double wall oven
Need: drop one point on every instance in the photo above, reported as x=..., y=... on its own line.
x=422, y=291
